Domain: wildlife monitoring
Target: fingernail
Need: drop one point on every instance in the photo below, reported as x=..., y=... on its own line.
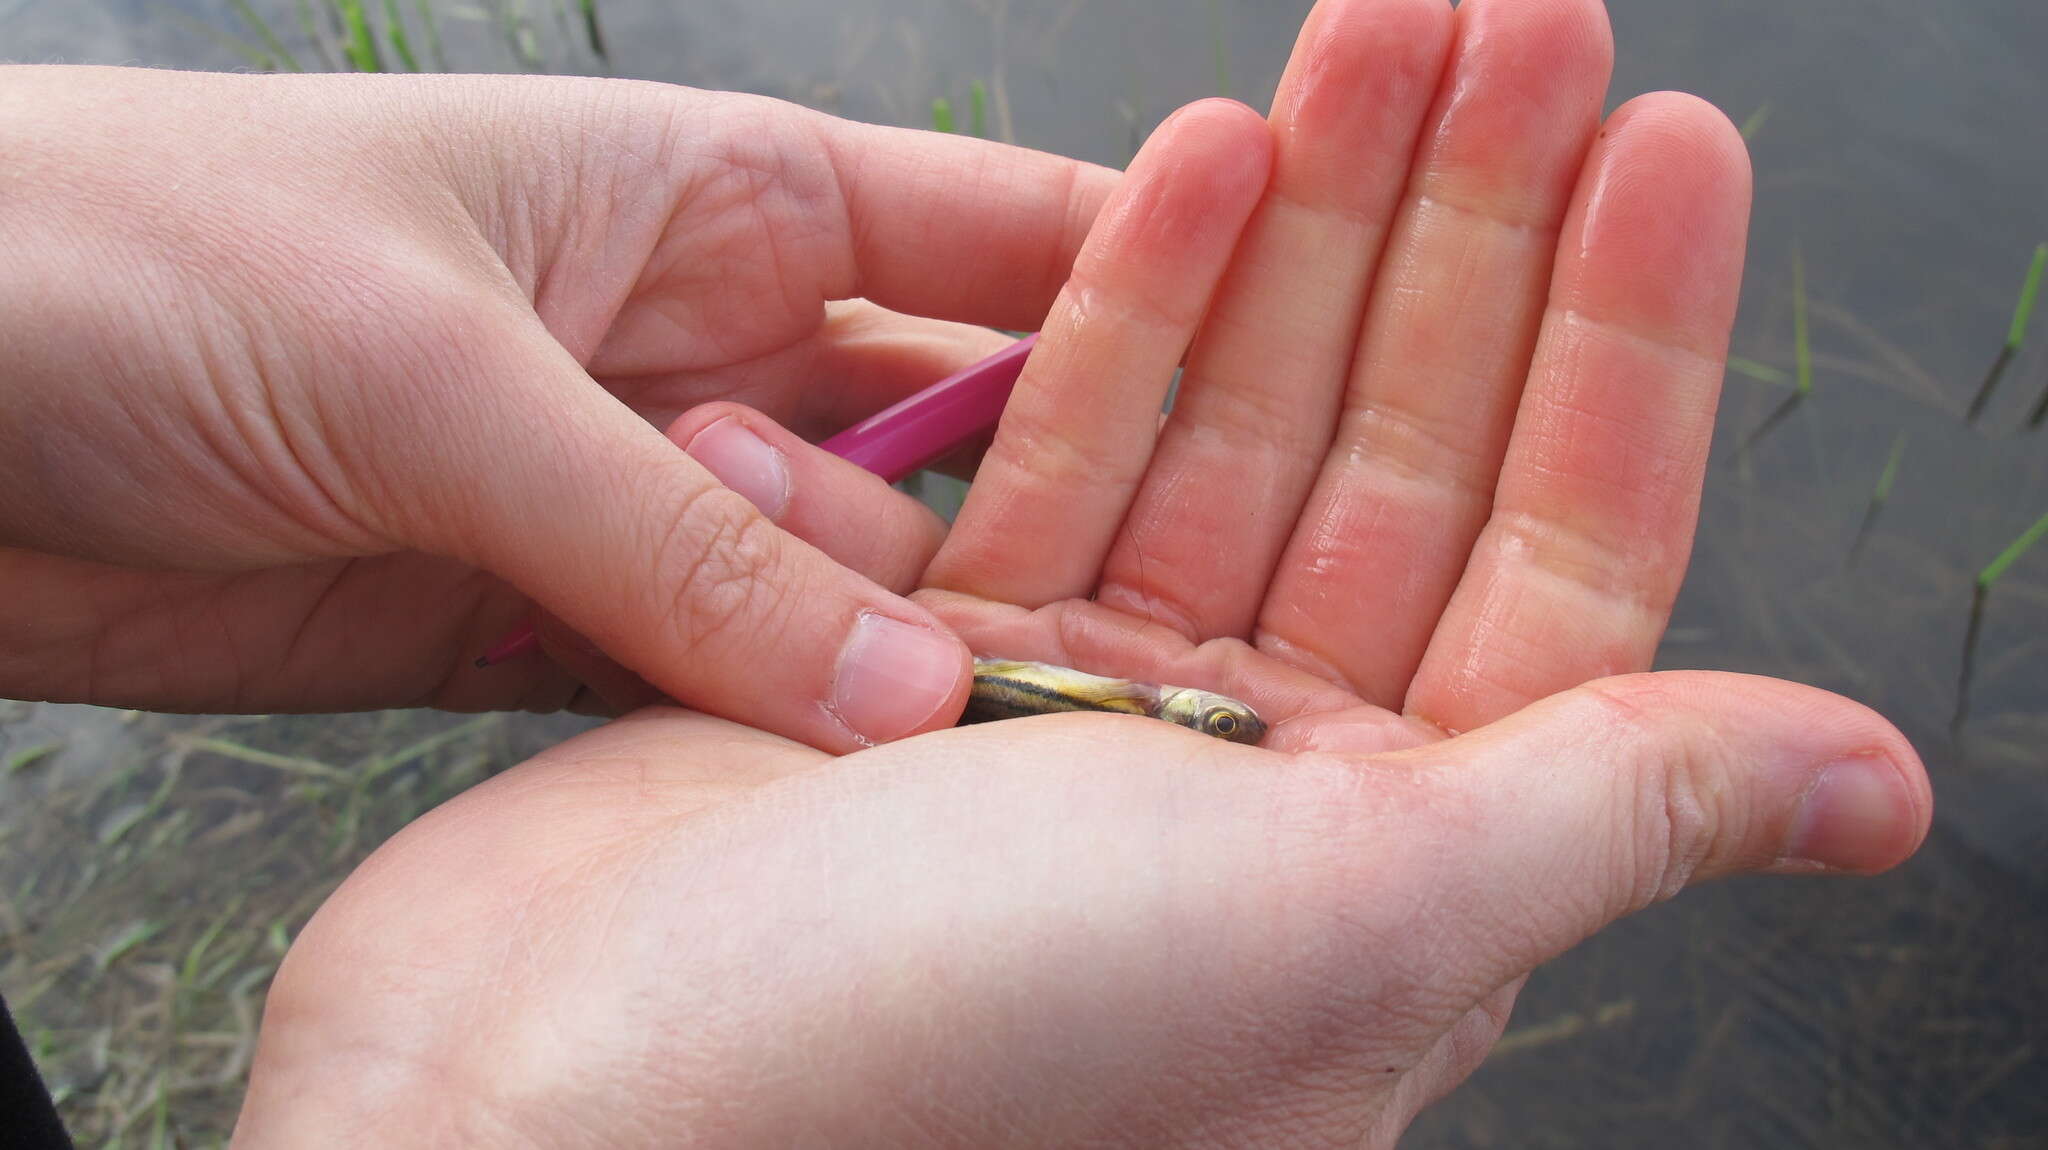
x=894, y=676
x=1855, y=818
x=744, y=462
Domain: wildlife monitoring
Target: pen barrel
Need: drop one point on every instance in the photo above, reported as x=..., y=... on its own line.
x=895, y=442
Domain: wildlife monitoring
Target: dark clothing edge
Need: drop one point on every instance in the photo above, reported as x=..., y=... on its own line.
x=28, y=1118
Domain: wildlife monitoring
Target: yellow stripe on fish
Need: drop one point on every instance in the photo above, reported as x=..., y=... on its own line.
x=1013, y=689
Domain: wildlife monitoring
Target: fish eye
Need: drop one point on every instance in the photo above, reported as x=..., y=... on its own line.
x=1222, y=722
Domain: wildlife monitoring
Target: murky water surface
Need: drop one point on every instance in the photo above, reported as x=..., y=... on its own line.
x=1902, y=150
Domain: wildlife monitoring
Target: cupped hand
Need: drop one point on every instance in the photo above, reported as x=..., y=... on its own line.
x=1065, y=930
x=1437, y=448
x=301, y=370
x=1436, y=452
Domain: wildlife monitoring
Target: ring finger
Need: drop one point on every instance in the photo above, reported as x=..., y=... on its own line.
x=1253, y=415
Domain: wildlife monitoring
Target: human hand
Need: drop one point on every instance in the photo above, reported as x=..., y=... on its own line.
x=1443, y=425
x=300, y=363
x=1099, y=928
x=1497, y=484
x=1442, y=432
x=1073, y=929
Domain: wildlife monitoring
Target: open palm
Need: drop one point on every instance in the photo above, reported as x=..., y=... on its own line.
x=1437, y=448
x=1440, y=437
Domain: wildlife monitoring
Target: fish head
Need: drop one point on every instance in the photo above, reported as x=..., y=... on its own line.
x=1213, y=714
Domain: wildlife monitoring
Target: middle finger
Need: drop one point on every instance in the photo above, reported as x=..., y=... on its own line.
x=1256, y=403
x=1449, y=333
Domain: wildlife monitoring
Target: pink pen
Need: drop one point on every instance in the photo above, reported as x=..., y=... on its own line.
x=892, y=443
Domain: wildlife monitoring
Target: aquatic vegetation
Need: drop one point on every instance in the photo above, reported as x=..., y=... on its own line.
x=1802, y=345
x=1802, y=353
x=271, y=43
x=591, y=32
x=399, y=44
x=977, y=112
x=2015, y=338
x=347, y=35
x=1755, y=123
x=1879, y=494
x=1997, y=567
x=361, y=45
x=137, y=973
x=1759, y=371
x=1980, y=591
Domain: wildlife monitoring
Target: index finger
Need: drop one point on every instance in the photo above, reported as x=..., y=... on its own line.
x=958, y=228
x=1077, y=434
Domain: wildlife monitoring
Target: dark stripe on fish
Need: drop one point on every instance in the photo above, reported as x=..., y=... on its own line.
x=1005, y=689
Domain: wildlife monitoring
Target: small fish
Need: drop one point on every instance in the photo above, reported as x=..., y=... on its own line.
x=1012, y=689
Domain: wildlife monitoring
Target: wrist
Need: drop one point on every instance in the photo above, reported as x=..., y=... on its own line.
x=76, y=195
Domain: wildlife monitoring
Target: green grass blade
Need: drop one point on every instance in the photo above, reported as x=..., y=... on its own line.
x=1990, y=384
x=519, y=37
x=1761, y=372
x=2040, y=412
x=977, y=109
x=1890, y=474
x=27, y=757
x=160, y=1118
x=271, y=43
x=362, y=43
x=1802, y=349
x=380, y=765
x=254, y=756
x=311, y=31
x=1878, y=495
x=2012, y=553
x=1967, y=670
x=942, y=115
x=2024, y=310
x=188, y=971
x=257, y=57
x=432, y=26
x=1756, y=121
x=1778, y=415
x=128, y=938
x=591, y=29
x=395, y=29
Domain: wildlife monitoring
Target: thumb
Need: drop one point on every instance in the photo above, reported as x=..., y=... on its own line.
x=1600, y=801
x=834, y=504
x=554, y=485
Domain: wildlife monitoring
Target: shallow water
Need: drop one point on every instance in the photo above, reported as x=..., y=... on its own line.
x=1903, y=156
